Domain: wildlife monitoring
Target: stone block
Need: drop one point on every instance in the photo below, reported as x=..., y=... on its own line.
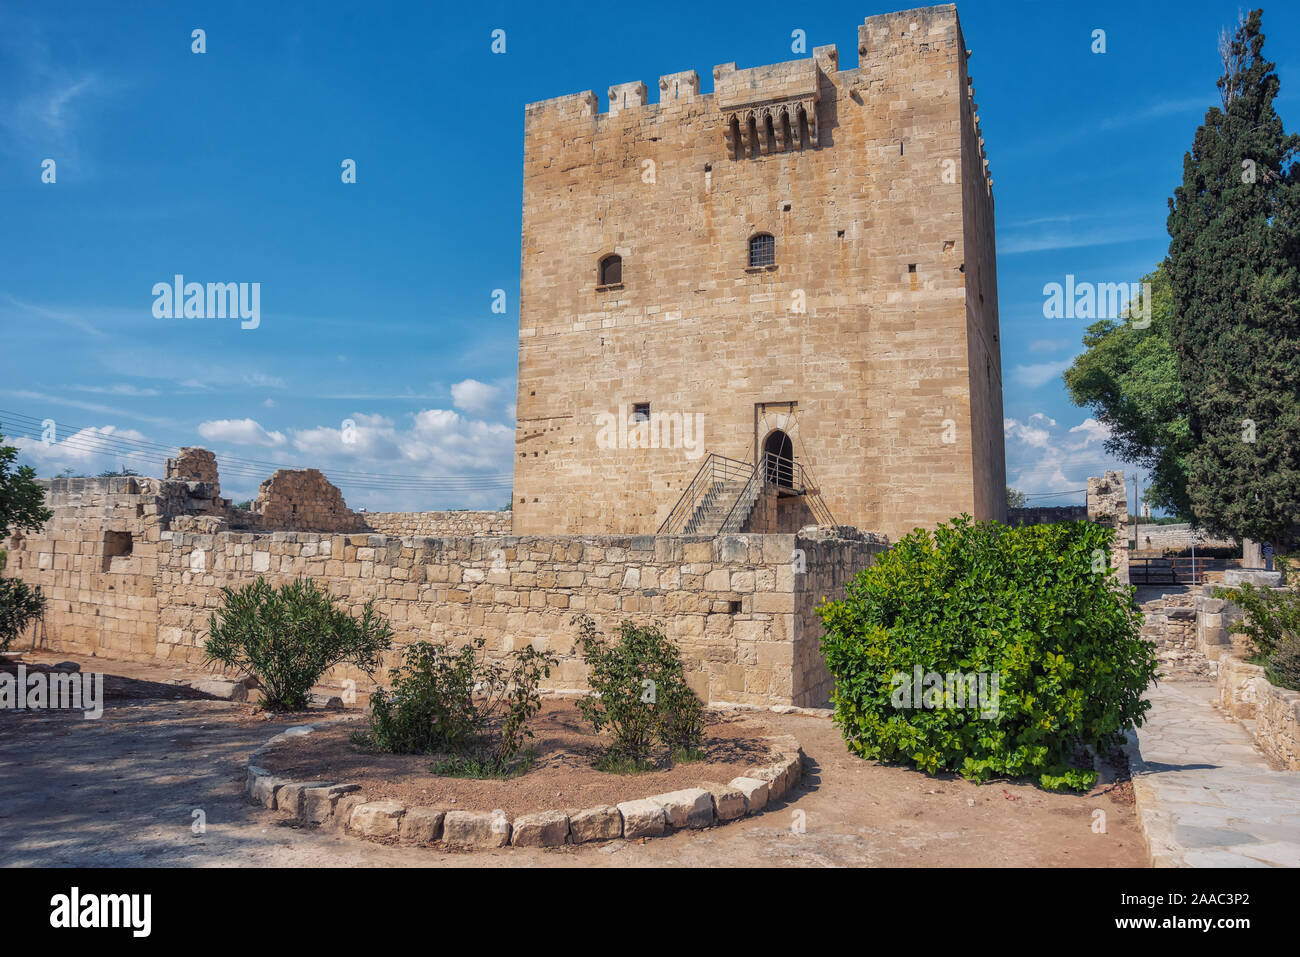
x=541, y=829
x=728, y=802
x=603, y=823
x=755, y=792
x=689, y=807
x=642, y=818
x=421, y=825
x=476, y=828
x=378, y=818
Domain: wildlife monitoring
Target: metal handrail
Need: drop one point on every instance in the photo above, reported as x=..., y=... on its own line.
x=771, y=470
x=716, y=468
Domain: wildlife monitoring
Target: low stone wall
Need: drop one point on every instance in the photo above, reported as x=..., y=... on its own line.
x=439, y=524
x=1169, y=623
x=130, y=575
x=1245, y=692
x=1046, y=514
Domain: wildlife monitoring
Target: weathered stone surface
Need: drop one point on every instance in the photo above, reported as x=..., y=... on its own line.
x=288, y=800
x=221, y=688
x=317, y=804
x=326, y=702
x=755, y=792
x=421, y=825
x=689, y=807
x=378, y=818
x=476, y=828
x=541, y=829
x=603, y=823
x=344, y=807
x=265, y=788
x=642, y=819
x=728, y=802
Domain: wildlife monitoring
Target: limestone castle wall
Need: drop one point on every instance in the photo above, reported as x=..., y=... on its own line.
x=439, y=523
x=872, y=339
x=133, y=568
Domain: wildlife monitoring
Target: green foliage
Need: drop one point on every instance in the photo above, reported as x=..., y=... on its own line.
x=22, y=509
x=1127, y=377
x=1026, y=605
x=1234, y=270
x=290, y=636
x=443, y=699
x=1272, y=622
x=642, y=697
x=1016, y=498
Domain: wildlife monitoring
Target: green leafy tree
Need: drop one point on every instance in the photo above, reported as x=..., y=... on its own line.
x=290, y=636
x=22, y=509
x=1028, y=621
x=1016, y=498
x=1234, y=272
x=1127, y=377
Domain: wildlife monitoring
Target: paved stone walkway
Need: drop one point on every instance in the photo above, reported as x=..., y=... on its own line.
x=1205, y=794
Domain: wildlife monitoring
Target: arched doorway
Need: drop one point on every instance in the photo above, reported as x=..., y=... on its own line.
x=779, y=454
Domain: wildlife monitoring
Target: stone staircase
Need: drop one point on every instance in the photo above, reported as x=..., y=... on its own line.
x=716, y=505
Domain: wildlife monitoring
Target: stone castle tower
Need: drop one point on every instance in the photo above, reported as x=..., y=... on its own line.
x=800, y=263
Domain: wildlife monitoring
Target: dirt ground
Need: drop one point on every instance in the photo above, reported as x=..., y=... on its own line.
x=562, y=777
x=124, y=790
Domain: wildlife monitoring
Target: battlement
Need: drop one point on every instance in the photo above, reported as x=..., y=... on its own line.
x=884, y=34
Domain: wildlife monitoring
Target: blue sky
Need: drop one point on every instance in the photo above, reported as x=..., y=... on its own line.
x=378, y=351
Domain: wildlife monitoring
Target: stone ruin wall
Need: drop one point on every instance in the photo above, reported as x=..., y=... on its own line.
x=133, y=567
x=1194, y=641
x=1108, y=505
x=439, y=523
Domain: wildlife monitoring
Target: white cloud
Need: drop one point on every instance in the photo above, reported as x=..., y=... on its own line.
x=1043, y=456
x=241, y=432
x=1093, y=431
x=88, y=451
x=1039, y=373
x=474, y=397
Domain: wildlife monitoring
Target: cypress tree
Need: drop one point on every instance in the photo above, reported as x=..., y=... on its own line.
x=1234, y=269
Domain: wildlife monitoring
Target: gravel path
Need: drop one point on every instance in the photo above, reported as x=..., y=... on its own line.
x=122, y=791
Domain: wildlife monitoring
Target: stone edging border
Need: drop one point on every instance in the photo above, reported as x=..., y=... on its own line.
x=343, y=806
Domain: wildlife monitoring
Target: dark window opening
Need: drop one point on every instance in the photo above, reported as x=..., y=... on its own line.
x=116, y=545
x=640, y=412
x=733, y=607
x=611, y=271
x=762, y=250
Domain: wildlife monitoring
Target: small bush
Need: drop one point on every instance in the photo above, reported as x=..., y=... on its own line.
x=290, y=636
x=1272, y=622
x=20, y=605
x=1021, y=612
x=642, y=696
x=456, y=703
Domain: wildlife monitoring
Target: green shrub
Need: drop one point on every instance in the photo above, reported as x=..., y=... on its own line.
x=22, y=508
x=1026, y=613
x=1272, y=622
x=642, y=697
x=290, y=636
x=443, y=699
